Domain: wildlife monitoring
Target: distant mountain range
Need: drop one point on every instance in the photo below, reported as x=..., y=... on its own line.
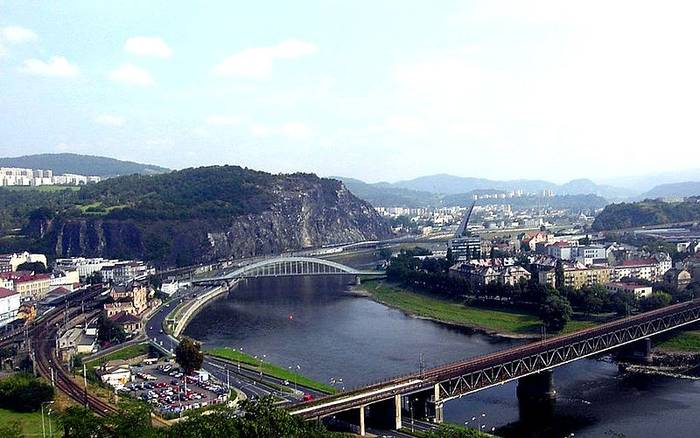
x=679, y=190
x=81, y=165
x=390, y=195
x=450, y=184
x=442, y=189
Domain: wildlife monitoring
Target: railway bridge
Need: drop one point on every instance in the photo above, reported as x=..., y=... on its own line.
x=289, y=267
x=425, y=393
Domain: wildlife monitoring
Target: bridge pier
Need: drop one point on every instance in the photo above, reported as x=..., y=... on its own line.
x=356, y=418
x=636, y=352
x=426, y=405
x=536, y=396
x=385, y=414
x=358, y=281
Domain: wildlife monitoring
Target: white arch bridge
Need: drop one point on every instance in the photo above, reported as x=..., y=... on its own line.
x=289, y=267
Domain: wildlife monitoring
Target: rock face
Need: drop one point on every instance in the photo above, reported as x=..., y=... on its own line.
x=302, y=211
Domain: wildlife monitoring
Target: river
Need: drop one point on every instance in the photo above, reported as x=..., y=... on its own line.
x=318, y=325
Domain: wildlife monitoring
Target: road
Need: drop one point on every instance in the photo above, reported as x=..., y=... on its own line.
x=246, y=380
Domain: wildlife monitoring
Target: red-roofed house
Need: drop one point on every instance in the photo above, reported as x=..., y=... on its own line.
x=29, y=285
x=9, y=305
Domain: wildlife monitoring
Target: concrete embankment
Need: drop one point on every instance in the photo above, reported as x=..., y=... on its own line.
x=197, y=304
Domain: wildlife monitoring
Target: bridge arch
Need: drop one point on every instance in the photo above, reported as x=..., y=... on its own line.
x=291, y=267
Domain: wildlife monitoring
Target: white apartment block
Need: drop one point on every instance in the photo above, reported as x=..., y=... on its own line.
x=84, y=266
x=17, y=176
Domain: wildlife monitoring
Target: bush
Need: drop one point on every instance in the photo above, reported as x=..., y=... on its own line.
x=24, y=393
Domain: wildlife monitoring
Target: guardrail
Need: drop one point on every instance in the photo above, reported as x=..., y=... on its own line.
x=197, y=305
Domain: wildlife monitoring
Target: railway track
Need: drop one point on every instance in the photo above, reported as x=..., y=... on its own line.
x=45, y=359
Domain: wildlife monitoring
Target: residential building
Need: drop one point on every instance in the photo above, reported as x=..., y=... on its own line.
x=480, y=276
x=9, y=306
x=562, y=250
x=130, y=323
x=576, y=276
x=10, y=262
x=123, y=272
x=68, y=279
x=131, y=298
x=636, y=289
x=643, y=269
x=530, y=240
x=85, y=266
x=30, y=286
x=465, y=248
x=18, y=176
x=678, y=278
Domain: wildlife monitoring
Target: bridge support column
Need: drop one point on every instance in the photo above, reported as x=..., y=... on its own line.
x=636, y=352
x=439, y=410
x=358, y=281
x=363, y=432
x=536, y=396
x=385, y=414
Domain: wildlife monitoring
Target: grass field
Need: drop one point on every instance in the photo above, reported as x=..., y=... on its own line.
x=42, y=188
x=270, y=369
x=30, y=422
x=683, y=341
x=125, y=353
x=426, y=306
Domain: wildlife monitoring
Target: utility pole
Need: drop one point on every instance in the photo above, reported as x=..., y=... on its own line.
x=85, y=384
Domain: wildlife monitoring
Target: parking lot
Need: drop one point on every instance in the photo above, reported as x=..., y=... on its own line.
x=170, y=392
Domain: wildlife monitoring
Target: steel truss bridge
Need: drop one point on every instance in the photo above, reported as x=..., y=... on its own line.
x=289, y=267
x=457, y=379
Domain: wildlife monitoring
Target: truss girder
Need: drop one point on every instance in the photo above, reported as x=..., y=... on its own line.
x=457, y=384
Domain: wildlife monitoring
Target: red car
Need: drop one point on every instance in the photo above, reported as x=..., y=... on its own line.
x=308, y=397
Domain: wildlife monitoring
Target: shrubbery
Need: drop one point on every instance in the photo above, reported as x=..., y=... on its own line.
x=24, y=393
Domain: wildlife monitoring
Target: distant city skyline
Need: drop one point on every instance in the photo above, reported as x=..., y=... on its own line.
x=379, y=91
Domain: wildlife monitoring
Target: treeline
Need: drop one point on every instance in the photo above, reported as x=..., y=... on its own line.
x=554, y=306
x=648, y=212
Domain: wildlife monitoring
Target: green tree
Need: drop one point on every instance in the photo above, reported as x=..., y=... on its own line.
x=656, y=300
x=385, y=253
x=11, y=429
x=559, y=274
x=555, y=312
x=36, y=267
x=452, y=431
x=80, y=422
x=189, y=355
x=23, y=392
x=109, y=331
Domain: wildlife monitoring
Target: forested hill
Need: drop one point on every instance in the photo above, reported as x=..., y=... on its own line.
x=81, y=165
x=648, y=212
x=188, y=216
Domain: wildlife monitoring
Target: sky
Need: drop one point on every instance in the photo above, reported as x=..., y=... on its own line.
x=377, y=90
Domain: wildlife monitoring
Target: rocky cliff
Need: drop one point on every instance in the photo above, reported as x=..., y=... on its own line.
x=290, y=212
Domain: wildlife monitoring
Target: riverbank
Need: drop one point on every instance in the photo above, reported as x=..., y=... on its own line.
x=491, y=322
x=251, y=362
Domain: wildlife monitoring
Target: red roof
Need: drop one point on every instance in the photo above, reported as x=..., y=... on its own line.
x=639, y=262
x=6, y=292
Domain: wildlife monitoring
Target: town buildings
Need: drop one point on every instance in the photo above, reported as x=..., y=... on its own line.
x=465, y=248
x=76, y=341
x=9, y=306
x=131, y=298
x=479, y=275
x=18, y=176
x=10, y=262
x=636, y=289
x=30, y=286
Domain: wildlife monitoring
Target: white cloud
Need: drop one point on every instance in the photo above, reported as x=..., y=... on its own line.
x=17, y=35
x=132, y=75
x=110, y=120
x=257, y=62
x=57, y=66
x=223, y=120
x=148, y=46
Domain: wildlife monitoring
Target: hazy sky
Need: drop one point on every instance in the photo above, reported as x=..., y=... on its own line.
x=379, y=90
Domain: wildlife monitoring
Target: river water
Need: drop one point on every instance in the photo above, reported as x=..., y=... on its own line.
x=318, y=325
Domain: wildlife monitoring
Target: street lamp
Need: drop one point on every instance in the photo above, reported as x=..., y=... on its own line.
x=43, y=427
